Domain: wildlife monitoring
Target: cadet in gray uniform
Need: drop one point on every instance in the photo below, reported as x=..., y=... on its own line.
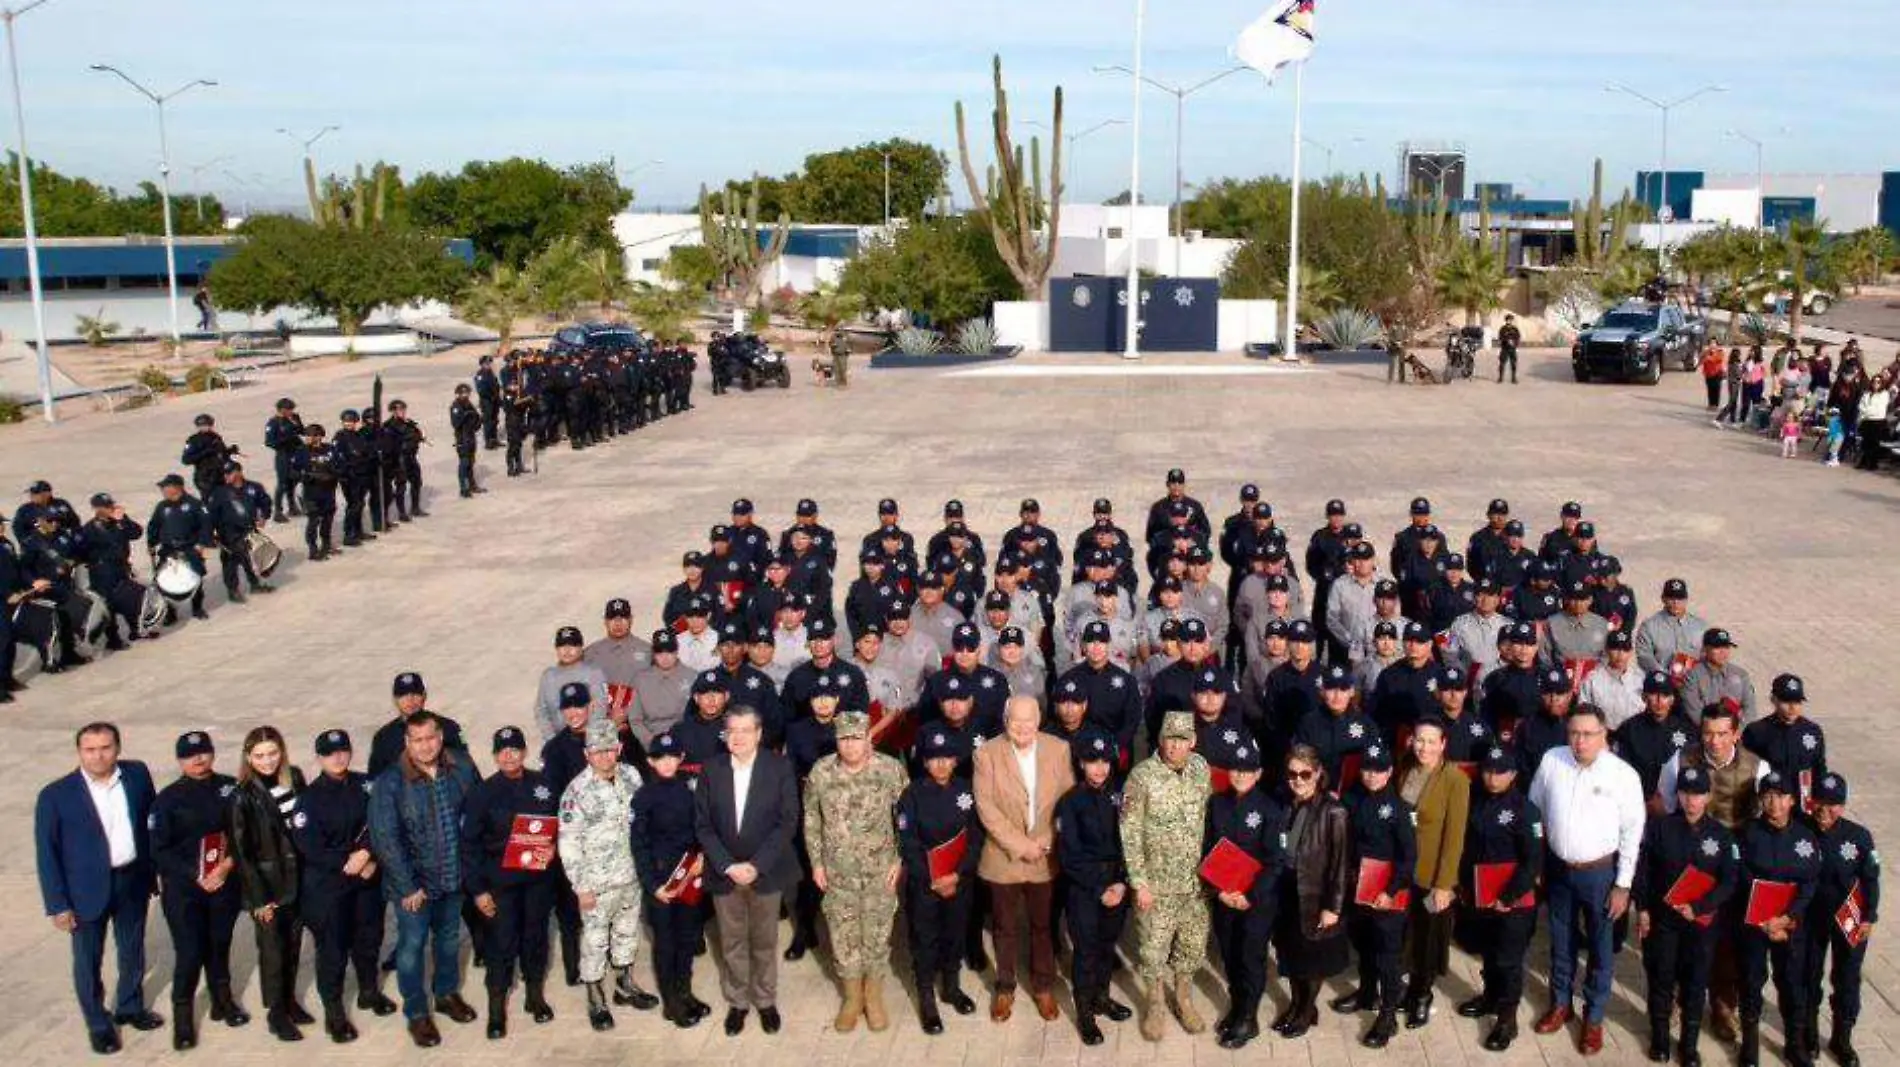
x=1026, y=677
x=1349, y=604
x=597, y=854
x=660, y=690
x=619, y=655
x=1715, y=679
x=1674, y=631
x=1474, y=635
x=568, y=667
x=1576, y=632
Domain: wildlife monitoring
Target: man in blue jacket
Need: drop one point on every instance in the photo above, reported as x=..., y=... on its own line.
x=415, y=817
x=95, y=865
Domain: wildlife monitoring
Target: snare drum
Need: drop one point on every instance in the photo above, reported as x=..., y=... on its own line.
x=265, y=555
x=177, y=578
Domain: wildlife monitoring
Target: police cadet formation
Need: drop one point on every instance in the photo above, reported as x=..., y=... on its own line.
x=1108, y=753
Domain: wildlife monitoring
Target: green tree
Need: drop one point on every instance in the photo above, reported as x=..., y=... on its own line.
x=1470, y=279
x=604, y=278
x=827, y=307
x=496, y=300
x=513, y=208
x=692, y=268
x=941, y=271
x=343, y=273
x=1861, y=258
x=560, y=278
x=847, y=185
x=665, y=314
x=1352, y=243
x=1803, y=248
x=76, y=207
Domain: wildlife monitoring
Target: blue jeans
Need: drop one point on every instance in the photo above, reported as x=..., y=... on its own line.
x=441, y=920
x=1580, y=900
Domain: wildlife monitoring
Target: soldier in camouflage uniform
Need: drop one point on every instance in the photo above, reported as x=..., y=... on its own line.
x=1163, y=808
x=596, y=850
x=850, y=833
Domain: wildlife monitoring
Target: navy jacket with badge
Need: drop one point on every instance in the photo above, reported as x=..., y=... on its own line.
x=964, y=739
x=563, y=758
x=185, y=812
x=700, y=738
x=1848, y=859
x=106, y=546
x=987, y=683
x=1256, y=824
x=336, y=823
x=1403, y=695
x=1089, y=838
x=1670, y=845
x=1218, y=740
x=809, y=740
x=1504, y=828
x=182, y=523
x=488, y=819
x=808, y=680
x=929, y=815
x=1535, y=736
x=1510, y=697
x=1791, y=854
x=1382, y=829
x=663, y=828
x=1648, y=744
x=1114, y=698
x=1791, y=748
x=1335, y=737
x=235, y=512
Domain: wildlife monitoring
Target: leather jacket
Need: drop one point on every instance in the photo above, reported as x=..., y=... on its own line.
x=266, y=857
x=1319, y=843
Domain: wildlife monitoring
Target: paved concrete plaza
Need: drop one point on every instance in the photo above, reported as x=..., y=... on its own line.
x=1791, y=556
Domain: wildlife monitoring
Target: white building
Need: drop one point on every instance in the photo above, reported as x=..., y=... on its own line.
x=815, y=254
x=646, y=241
x=1095, y=241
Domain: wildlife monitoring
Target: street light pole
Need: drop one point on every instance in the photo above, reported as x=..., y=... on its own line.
x=1662, y=204
x=887, y=190
x=26, y=212
x=1131, y=343
x=197, y=169
x=1075, y=138
x=164, y=176
x=1180, y=94
x=1760, y=180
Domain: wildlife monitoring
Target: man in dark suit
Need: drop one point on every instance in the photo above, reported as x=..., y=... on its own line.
x=746, y=810
x=95, y=864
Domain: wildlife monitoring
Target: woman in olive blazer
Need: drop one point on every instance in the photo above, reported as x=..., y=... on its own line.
x=1440, y=796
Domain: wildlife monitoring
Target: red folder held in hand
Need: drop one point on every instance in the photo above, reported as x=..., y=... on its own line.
x=1579, y=669
x=211, y=851
x=1229, y=869
x=947, y=857
x=1220, y=779
x=1768, y=900
x=1375, y=877
x=1849, y=917
x=1348, y=772
x=685, y=879
x=619, y=697
x=1679, y=665
x=1691, y=885
x=530, y=843
x=1492, y=878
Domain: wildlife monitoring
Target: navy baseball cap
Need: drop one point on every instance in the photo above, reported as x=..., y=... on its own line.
x=709, y=682
x=1788, y=688
x=1774, y=782
x=1831, y=789
x=820, y=629
x=664, y=746
x=936, y=745
x=1451, y=676
x=568, y=635
x=1386, y=628
x=1618, y=641
x=1675, y=589
x=1335, y=677
x=965, y=638
x=1416, y=631
x=1375, y=758
x=1692, y=780
x=510, y=737
x=192, y=743
x=1193, y=630
x=1335, y=507
x=1658, y=682
x=1514, y=528
x=1209, y=681
x=1554, y=680
x=1070, y=691
x=575, y=695
x=1499, y=506
x=1716, y=637
x=330, y=742
x=1421, y=506
x=618, y=609
x=1498, y=761
x=806, y=509
x=1301, y=630
x=1095, y=631
x=408, y=683
x=664, y=641
x=1094, y=745
x=1011, y=635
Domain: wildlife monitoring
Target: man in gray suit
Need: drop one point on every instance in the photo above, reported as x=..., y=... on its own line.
x=746, y=813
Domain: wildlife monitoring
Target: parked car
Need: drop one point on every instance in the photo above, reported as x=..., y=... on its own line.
x=1815, y=301
x=1637, y=342
x=587, y=337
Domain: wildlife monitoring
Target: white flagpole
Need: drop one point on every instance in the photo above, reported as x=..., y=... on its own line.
x=1131, y=343
x=1289, y=349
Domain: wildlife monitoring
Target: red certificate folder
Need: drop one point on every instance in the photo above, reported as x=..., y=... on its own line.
x=947, y=857
x=1375, y=877
x=1348, y=772
x=1220, y=779
x=1691, y=885
x=530, y=843
x=685, y=879
x=1492, y=878
x=1768, y=900
x=1229, y=869
x=619, y=697
x=1679, y=665
x=211, y=851
x=1848, y=918
x=1579, y=669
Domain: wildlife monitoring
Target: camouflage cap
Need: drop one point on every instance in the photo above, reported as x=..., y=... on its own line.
x=852, y=724
x=1177, y=724
x=601, y=735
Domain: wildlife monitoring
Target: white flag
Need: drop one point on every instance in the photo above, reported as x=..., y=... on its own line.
x=1281, y=36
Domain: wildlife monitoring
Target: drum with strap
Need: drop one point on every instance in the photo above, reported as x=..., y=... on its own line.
x=177, y=579
x=265, y=555
x=152, y=611
x=37, y=622
x=92, y=635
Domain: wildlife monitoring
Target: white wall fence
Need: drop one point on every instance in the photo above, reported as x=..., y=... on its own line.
x=1241, y=323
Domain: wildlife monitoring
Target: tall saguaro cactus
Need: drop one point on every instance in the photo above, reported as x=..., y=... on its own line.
x=730, y=229
x=1013, y=198
x=362, y=210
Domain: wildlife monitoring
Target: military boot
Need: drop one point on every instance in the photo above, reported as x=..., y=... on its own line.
x=599, y=1016
x=627, y=991
x=1191, y=1020
x=852, y=1009
x=875, y=1017
x=1841, y=1043
x=536, y=1001
x=1153, y=1008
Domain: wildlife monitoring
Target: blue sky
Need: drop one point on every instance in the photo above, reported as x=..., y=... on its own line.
x=723, y=89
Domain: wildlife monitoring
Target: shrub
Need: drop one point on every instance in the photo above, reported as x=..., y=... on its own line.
x=759, y=319
x=96, y=329
x=202, y=378
x=976, y=337
x=11, y=410
x=1347, y=329
x=154, y=378
x=915, y=341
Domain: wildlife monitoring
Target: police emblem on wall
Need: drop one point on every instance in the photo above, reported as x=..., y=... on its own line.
x=1177, y=314
x=1082, y=297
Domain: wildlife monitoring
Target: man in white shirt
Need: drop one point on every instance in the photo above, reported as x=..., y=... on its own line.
x=1592, y=803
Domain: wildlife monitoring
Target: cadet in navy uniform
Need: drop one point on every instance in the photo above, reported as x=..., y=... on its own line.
x=1548, y=728
x=1382, y=829
x=515, y=899
x=1777, y=847
x=989, y=684
x=1221, y=737
x=206, y=453
x=1406, y=691
x=201, y=905
x=465, y=423
x=1848, y=861
x=1510, y=691
x=823, y=541
x=1679, y=939
x=1788, y=740
x=1095, y=877
x=283, y=435
x=1290, y=693
x=237, y=508
x=933, y=811
x=1649, y=741
x=563, y=759
x=410, y=696
x=1335, y=730
x=106, y=542
x=662, y=837
x=1505, y=827
x=824, y=671
x=1114, y=698
x=179, y=527
x=1255, y=823
x=488, y=392
x=1467, y=736
x=702, y=731
x=318, y=468
x=341, y=890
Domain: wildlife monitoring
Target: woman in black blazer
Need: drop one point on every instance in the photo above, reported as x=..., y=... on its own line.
x=1308, y=932
x=263, y=812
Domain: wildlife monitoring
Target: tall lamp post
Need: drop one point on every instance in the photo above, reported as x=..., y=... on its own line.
x=1761, y=179
x=1131, y=341
x=307, y=143
x=1663, y=211
x=196, y=169
x=1180, y=94
x=164, y=175
x=26, y=211
x=1328, y=149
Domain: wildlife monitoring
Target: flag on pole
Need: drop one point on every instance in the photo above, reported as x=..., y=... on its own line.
x=1282, y=36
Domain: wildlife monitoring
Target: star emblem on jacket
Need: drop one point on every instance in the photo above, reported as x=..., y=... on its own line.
x=1710, y=847
x=989, y=681
x=227, y=789
x=1115, y=682
x=1230, y=736
x=1810, y=742
x=369, y=786
x=1850, y=851
x=151, y=820
x=1804, y=848
x=1678, y=739
x=1477, y=729
x=903, y=821
x=965, y=802
x=1253, y=820
x=1506, y=817
x=752, y=682
x=1355, y=731
x=1385, y=811
x=541, y=792
x=302, y=819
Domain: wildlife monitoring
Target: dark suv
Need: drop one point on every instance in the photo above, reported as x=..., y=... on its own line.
x=589, y=337
x=1637, y=342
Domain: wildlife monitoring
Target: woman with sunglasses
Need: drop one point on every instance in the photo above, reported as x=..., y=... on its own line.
x=1308, y=933
x=263, y=813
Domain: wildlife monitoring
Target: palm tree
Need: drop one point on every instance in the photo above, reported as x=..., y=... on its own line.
x=1471, y=278
x=663, y=313
x=1803, y=247
x=605, y=278
x=497, y=300
x=560, y=277
x=826, y=308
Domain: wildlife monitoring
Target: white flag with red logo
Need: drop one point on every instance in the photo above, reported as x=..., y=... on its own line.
x=1282, y=36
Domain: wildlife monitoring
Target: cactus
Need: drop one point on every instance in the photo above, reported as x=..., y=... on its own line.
x=363, y=208
x=732, y=233
x=1013, y=200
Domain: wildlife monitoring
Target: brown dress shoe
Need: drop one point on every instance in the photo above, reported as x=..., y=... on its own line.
x=1592, y=1041
x=1045, y=1006
x=1001, y=1004
x=424, y=1033
x=1555, y=1019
